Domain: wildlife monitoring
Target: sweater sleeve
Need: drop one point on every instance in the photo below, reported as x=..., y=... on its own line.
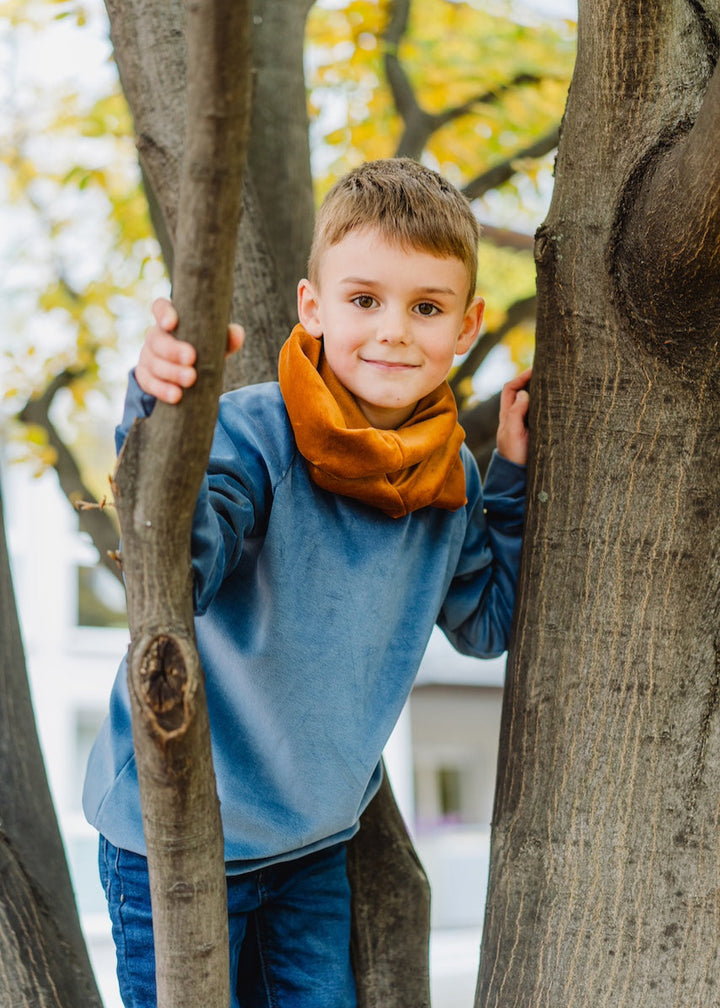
x=236, y=492
x=477, y=612
x=138, y=404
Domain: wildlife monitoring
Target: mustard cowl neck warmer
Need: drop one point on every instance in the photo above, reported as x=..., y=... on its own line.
x=398, y=471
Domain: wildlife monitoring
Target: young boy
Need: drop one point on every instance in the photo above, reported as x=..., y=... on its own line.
x=340, y=519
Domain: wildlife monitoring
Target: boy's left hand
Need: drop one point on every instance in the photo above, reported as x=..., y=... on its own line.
x=512, y=435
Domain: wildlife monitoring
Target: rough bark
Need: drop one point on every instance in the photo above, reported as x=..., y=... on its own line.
x=157, y=483
x=43, y=962
x=604, y=865
x=391, y=910
x=276, y=226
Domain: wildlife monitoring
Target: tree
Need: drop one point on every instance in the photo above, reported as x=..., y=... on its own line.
x=603, y=880
x=156, y=484
x=43, y=957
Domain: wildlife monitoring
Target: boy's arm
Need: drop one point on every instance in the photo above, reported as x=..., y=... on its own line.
x=477, y=612
x=236, y=486
x=235, y=496
x=137, y=405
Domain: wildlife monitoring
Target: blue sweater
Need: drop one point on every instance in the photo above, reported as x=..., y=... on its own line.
x=312, y=612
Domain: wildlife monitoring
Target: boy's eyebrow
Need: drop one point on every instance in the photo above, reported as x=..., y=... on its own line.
x=365, y=282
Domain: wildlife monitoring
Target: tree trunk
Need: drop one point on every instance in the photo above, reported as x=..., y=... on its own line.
x=391, y=910
x=276, y=225
x=43, y=961
x=156, y=485
x=605, y=850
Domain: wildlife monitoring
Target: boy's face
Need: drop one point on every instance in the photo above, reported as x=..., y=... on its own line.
x=392, y=320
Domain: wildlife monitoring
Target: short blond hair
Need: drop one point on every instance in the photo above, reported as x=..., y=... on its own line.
x=409, y=204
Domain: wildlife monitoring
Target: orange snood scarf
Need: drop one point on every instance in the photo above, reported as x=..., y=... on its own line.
x=397, y=471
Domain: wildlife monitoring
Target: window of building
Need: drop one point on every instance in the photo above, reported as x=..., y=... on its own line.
x=449, y=792
x=87, y=726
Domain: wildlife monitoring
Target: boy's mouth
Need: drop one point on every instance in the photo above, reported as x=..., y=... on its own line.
x=390, y=365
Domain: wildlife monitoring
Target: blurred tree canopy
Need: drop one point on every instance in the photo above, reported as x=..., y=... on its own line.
x=474, y=90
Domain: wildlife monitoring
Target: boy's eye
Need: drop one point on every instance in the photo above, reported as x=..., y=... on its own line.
x=426, y=308
x=364, y=301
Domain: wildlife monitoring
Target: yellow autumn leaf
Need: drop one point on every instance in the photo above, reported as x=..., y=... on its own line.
x=36, y=435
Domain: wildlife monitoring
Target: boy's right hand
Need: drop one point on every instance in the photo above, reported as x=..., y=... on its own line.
x=166, y=366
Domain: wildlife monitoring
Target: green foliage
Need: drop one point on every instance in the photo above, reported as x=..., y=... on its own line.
x=453, y=53
x=78, y=250
x=493, y=78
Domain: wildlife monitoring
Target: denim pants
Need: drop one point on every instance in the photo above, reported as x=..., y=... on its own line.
x=289, y=927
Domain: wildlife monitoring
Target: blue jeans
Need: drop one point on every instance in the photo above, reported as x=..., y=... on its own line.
x=289, y=928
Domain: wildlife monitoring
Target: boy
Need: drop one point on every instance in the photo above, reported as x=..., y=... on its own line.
x=340, y=519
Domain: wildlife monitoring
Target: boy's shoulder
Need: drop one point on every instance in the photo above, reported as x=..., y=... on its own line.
x=261, y=396
x=257, y=413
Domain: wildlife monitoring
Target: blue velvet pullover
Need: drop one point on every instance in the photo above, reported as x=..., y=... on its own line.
x=313, y=612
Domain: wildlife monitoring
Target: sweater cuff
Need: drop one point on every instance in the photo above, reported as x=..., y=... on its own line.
x=504, y=475
x=138, y=404
x=504, y=492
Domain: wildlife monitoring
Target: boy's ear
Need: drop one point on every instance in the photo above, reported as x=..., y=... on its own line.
x=471, y=325
x=308, y=304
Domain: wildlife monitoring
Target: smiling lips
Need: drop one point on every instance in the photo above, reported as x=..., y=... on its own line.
x=390, y=365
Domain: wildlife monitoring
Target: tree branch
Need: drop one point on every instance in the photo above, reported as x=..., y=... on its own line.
x=43, y=960
x=389, y=949
x=268, y=257
x=480, y=422
x=519, y=312
x=94, y=520
x=157, y=482
x=419, y=125
x=485, y=98
x=503, y=172
x=505, y=238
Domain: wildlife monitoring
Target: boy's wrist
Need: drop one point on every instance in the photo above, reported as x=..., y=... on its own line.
x=137, y=394
x=511, y=461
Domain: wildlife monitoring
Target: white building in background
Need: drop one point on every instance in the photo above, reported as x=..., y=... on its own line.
x=441, y=759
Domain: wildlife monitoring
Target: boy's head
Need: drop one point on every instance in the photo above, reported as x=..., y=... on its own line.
x=391, y=285
x=405, y=203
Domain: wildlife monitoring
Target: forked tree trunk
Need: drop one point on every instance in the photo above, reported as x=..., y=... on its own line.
x=156, y=487
x=606, y=841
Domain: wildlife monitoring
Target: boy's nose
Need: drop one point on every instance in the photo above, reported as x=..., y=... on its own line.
x=393, y=328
